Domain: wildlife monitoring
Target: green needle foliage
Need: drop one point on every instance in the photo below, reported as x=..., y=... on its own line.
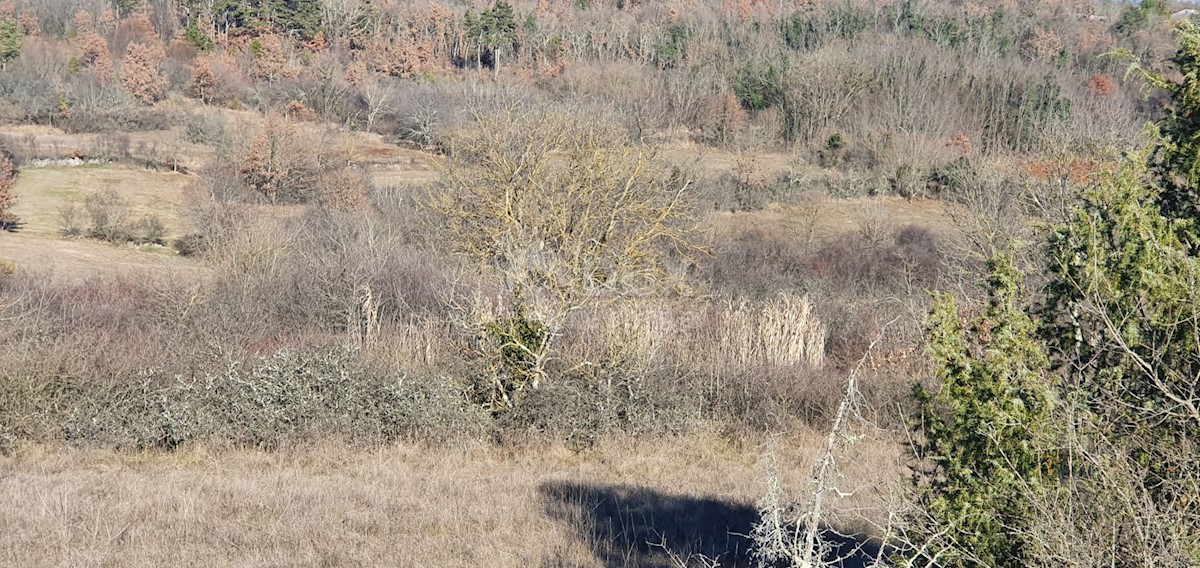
x=10, y=40
x=984, y=432
x=1123, y=310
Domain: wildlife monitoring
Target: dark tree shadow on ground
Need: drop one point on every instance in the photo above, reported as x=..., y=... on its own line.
x=628, y=527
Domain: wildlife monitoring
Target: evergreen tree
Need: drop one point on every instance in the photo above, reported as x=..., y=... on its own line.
x=494, y=31
x=1175, y=162
x=293, y=18
x=10, y=40
x=985, y=432
x=1122, y=316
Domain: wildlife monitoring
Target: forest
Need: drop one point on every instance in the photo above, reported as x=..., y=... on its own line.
x=600, y=283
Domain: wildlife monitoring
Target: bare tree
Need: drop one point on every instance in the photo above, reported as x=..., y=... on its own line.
x=794, y=535
x=379, y=94
x=561, y=212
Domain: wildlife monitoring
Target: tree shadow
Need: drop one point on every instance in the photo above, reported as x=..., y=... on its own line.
x=628, y=526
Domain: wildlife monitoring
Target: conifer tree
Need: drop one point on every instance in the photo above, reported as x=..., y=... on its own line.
x=985, y=432
x=1122, y=316
x=10, y=40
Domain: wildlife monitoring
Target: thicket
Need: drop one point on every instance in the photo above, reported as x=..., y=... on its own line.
x=8, y=198
x=894, y=82
x=1073, y=420
x=389, y=284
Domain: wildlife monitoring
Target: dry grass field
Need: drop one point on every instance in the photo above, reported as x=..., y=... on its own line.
x=44, y=192
x=408, y=505
x=625, y=502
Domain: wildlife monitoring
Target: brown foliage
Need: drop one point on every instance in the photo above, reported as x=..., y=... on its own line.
x=8, y=199
x=29, y=24
x=134, y=29
x=262, y=169
x=216, y=78
x=344, y=190
x=1043, y=45
x=297, y=110
x=83, y=24
x=961, y=143
x=281, y=162
x=723, y=117
x=203, y=79
x=107, y=21
x=270, y=59
x=96, y=56
x=1071, y=169
x=140, y=73
x=355, y=72
x=1102, y=84
x=400, y=57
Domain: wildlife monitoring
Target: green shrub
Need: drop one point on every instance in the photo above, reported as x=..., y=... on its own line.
x=197, y=38
x=673, y=50
x=514, y=350
x=986, y=434
x=759, y=88
x=204, y=129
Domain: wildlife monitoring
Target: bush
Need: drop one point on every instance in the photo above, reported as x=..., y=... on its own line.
x=109, y=213
x=282, y=161
x=191, y=244
x=8, y=198
x=583, y=407
x=286, y=399
x=204, y=129
x=912, y=259
x=987, y=438
x=758, y=263
x=757, y=88
x=777, y=398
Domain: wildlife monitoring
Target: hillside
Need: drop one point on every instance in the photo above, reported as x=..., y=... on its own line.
x=598, y=283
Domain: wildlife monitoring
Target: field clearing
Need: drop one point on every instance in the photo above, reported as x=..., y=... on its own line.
x=43, y=192
x=406, y=505
x=79, y=259
x=168, y=148
x=820, y=217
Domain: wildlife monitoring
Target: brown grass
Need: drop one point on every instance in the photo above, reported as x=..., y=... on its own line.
x=406, y=505
x=828, y=217
x=73, y=260
x=42, y=192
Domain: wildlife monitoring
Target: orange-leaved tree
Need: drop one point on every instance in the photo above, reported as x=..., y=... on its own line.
x=8, y=198
x=140, y=74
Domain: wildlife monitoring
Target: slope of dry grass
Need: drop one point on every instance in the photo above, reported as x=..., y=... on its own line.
x=407, y=505
x=43, y=192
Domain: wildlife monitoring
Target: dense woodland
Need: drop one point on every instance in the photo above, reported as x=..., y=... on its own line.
x=1031, y=348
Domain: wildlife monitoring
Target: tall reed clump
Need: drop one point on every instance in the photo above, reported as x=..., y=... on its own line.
x=781, y=332
x=720, y=338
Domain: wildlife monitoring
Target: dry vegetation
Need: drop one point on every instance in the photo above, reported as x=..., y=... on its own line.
x=413, y=505
x=441, y=283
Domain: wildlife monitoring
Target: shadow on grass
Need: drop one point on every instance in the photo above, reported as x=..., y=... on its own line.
x=628, y=527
